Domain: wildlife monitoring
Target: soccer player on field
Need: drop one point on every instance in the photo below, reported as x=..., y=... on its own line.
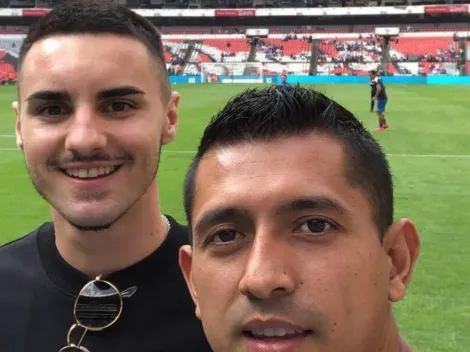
x=373, y=91
x=284, y=80
x=381, y=98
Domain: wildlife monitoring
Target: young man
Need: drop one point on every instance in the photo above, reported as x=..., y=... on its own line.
x=290, y=203
x=381, y=98
x=94, y=110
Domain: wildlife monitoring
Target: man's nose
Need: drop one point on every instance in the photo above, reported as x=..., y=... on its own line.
x=268, y=271
x=86, y=132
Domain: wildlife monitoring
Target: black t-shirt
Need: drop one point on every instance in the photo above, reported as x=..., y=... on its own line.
x=38, y=290
x=375, y=82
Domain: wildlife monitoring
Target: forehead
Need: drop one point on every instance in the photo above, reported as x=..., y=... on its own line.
x=87, y=62
x=260, y=176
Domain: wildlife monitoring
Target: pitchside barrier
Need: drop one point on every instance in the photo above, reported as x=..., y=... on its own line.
x=328, y=79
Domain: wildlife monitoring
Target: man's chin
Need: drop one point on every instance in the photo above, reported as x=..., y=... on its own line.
x=84, y=227
x=91, y=222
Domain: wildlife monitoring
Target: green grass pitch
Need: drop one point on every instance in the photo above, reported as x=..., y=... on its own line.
x=429, y=151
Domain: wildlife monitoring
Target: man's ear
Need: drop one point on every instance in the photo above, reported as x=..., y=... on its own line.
x=185, y=262
x=172, y=118
x=402, y=246
x=19, y=139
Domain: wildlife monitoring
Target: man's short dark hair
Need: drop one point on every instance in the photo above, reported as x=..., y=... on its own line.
x=283, y=112
x=373, y=72
x=96, y=17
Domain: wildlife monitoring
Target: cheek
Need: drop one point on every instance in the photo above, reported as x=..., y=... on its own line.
x=216, y=287
x=38, y=150
x=40, y=141
x=351, y=289
x=142, y=138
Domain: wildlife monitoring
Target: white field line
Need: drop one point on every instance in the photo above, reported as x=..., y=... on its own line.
x=444, y=156
x=450, y=156
x=7, y=159
x=441, y=156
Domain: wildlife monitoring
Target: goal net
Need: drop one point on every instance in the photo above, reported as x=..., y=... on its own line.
x=232, y=72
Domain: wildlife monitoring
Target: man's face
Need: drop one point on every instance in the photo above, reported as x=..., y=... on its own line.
x=91, y=123
x=286, y=256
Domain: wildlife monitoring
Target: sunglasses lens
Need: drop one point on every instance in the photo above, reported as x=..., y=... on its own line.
x=98, y=306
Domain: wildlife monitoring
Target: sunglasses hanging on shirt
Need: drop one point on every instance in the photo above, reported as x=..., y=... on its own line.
x=97, y=307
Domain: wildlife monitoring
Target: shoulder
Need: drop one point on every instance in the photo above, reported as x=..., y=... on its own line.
x=22, y=251
x=21, y=277
x=18, y=246
x=20, y=271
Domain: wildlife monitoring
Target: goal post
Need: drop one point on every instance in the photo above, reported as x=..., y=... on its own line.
x=232, y=72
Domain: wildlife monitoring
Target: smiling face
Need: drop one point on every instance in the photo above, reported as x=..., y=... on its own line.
x=91, y=124
x=286, y=256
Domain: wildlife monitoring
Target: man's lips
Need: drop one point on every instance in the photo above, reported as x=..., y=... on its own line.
x=273, y=328
x=89, y=171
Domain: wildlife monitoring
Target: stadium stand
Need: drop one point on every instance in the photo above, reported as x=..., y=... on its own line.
x=315, y=46
x=410, y=55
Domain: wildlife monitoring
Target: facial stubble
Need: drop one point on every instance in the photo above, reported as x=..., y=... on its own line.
x=92, y=228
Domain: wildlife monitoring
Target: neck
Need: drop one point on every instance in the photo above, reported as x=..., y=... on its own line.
x=404, y=347
x=394, y=342
x=138, y=233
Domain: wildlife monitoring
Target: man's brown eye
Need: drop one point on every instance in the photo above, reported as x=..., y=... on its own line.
x=52, y=110
x=118, y=106
x=224, y=236
x=316, y=226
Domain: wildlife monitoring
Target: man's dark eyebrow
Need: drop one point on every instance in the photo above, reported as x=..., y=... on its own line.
x=312, y=203
x=218, y=215
x=49, y=95
x=119, y=92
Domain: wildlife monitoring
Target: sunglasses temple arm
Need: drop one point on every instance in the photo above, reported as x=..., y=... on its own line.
x=69, y=335
x=85, y=330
